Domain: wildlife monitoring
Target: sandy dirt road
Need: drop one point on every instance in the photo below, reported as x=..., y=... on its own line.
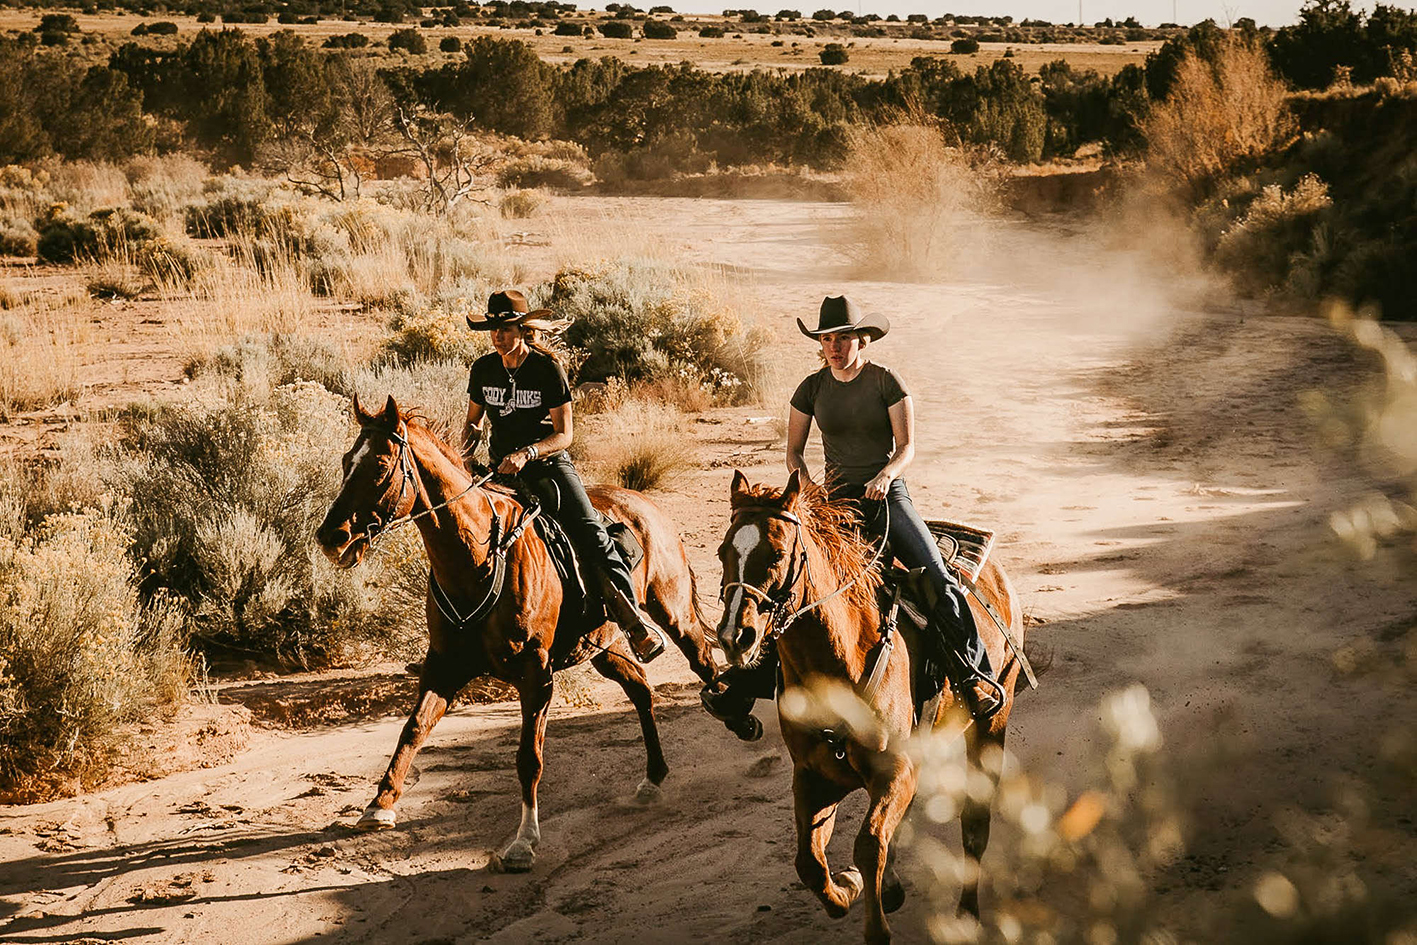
x=1162, y=508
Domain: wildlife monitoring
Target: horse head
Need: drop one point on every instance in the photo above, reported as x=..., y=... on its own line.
x=380, y=485
x=763, y=563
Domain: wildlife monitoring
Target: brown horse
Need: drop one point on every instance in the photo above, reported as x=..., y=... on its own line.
x=500, y=583
x=785, y=551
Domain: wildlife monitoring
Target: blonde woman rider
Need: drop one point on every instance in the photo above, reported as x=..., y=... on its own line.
x=522, y=392
x=867, y=423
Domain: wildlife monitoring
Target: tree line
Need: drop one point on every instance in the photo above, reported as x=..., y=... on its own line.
x=238, y=98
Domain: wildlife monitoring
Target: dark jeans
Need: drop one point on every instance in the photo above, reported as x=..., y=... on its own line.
x=580, y=519
x=914, y=546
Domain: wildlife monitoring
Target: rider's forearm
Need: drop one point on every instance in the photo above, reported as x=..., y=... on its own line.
x=899, y=460
x=552, y=444
x=471, y=437
x=796, y=462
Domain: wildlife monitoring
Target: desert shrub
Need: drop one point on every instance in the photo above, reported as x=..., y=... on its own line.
x=114, y=281
x=1217, y=112
x=911, y=194
x=658, y=29
x=80, y=657
x=262, y=362
x=347, y=41
x=449, y=44
x=171, y=262
x=639, y=322
x=163, y=187
x=223, y=497
x=64, y=238
x=617, y=29
x=17, y=237
x=538, y=171
x=57, y=23
x=162, y=28
x=435, y=388
x=435, y=333
x=834, y=54
x=1275, y=226
x=964, y=47
x=711, y=32
x=410, y=40
x=519, y=205
x=566, y=28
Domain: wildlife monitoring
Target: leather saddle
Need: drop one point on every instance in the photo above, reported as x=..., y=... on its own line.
x=579, y=580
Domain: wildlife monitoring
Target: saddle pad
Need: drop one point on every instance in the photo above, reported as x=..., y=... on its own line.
x=624, y=538
x=562, y=554
x=964, y=547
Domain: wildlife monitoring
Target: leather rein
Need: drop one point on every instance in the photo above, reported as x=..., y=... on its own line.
x=499, y=546
x=779, y=602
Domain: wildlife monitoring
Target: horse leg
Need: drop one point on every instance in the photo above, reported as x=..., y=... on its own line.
x=891, y=794
x=535, y=691
x=432, y=702
x=815, y=800
x=974, y=814
x=674, y=610
x=615, y=663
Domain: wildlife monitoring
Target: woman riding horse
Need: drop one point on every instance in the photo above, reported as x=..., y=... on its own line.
x=522, y=390
x=868, y=434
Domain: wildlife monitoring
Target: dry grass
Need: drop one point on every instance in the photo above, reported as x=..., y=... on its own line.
x=912, y=196
x=1216, y=114
x=636, y=443
x=40, y=358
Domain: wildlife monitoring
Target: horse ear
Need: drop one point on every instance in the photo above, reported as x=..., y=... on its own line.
x=740, y=484
x=794, y=486
x=360, y=414
x=390, y=414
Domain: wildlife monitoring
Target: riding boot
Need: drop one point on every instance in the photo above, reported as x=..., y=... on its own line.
x=966, y=656
x=646, y=640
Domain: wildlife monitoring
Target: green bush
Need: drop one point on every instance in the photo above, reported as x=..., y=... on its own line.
x=347, y=41
x=538, y=171
x=566, y=28
x=834, y=54
x=435, y=333
x=711, y=32
x=657, y=29
x=449, y=44
x=17, y=237
x=410, y=40
x=617, y=29
x=964, y=47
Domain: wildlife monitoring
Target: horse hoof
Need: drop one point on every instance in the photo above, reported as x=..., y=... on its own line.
x=377, y=818
x=648, y=793
x=892, y=895
x=850, y=880
x=517, y=858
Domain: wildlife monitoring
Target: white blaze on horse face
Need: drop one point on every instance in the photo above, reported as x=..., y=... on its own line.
x=358, y=458
x=745, y=540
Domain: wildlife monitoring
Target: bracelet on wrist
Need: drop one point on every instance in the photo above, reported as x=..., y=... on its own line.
x=532, y=453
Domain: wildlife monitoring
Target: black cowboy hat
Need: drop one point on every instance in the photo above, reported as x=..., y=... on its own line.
x=508, y=308
x=838, y=313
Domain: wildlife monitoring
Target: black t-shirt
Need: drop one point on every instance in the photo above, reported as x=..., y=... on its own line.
x=518, y=402
x=854, y=417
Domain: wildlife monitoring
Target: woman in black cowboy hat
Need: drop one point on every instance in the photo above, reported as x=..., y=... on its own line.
x=521, y=389
x=868, y=435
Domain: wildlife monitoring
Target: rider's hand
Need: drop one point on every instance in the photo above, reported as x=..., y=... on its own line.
x=876, y=489
x=512, y=463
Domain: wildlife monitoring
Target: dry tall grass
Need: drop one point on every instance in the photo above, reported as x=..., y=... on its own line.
x=635, y=443
x=40, y=356
x=913, y=197
x=1217, y=113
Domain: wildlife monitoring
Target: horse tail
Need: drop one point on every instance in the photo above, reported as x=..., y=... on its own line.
x=695, y=602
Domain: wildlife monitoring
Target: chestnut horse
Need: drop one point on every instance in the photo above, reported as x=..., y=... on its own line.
x=794, y=567
x=398, y=470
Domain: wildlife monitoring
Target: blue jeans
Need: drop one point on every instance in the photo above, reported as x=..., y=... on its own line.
x=914, y=546
x=581, y=521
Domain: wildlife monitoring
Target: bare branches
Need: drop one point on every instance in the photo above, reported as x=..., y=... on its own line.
x=448, y=153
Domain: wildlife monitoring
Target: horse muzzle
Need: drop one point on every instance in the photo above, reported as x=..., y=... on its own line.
x=342, y=548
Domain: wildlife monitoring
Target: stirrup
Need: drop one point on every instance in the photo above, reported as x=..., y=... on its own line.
x=983, y=696
x=649, y=645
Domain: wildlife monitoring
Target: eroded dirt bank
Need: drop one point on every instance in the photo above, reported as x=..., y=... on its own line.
x=1162, y=509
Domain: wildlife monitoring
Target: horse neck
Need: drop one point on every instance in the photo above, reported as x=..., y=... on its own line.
x=454, y=536
x=835, y=638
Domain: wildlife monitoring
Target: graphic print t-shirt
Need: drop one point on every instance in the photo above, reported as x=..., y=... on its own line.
x=854, y=418
x=518, y=402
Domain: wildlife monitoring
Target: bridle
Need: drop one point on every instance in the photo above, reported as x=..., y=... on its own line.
x=378, y=527
x=779, y=601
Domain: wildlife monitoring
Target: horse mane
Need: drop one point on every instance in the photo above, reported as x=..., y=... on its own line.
x=415, y=419
x=832, y=527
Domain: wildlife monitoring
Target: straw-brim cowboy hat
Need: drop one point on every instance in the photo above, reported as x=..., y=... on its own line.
x=838, y=313
x=510, y=308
